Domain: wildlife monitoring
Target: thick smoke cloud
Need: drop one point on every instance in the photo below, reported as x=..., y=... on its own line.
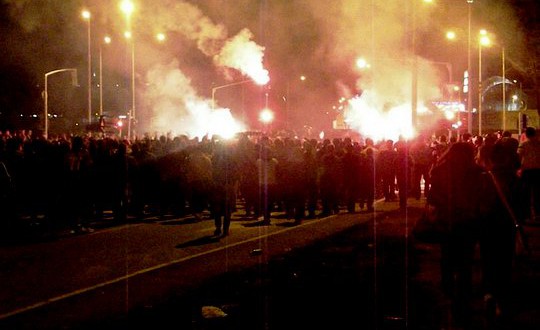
x=320, y=39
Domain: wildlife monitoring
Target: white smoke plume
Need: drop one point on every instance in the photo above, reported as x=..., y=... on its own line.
x=243, y=54
x=239, y=52
x=176, y=108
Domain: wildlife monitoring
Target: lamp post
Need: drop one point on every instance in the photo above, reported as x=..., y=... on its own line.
x=469, y=98
x=414, y=69
x=106, y=40
x=46, y=96
x=127, y=7
x=302, y=78
x=504, y=90
x=87, y=17
x=483, y=41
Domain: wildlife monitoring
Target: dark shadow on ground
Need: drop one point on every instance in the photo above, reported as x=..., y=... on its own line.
x=257, y=224
x=199, y=241
x=185, y=221
x=288, y=224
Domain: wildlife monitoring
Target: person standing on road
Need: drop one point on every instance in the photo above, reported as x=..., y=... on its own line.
x=529, y=155
x=456, y=181
x=225, y=182
x=386, y=170
x=267, y=167
x=402, y=165
x=329, y=180
x=497, y=239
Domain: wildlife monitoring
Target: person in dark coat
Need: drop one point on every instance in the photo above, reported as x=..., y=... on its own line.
x=456, y=183
x=497, y=239
x=225, y=183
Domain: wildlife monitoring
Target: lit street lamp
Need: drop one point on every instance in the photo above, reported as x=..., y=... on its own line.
x=504, y=90
x=469, y=98
x=128, y=8
x=86, y=15
x=302, y=78
x=106, y=40
x=483, y=41
x=46, y=96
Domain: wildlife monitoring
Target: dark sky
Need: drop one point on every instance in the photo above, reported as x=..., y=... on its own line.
x=318, y=39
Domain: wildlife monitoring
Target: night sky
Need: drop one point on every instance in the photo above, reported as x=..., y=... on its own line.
x=318, y=39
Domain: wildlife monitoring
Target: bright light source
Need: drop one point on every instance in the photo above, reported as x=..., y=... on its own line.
x=86, y=14
x=361, y=63
x=303, y=78
x=484, y=41
x=451, y=35
x=160, y=37
x=266, y=116
x=127, y=7
x=448, y=114
x=107, y=39
x=127, y=34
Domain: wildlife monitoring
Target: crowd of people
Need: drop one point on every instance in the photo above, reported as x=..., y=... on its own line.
x=475, y=184
x=483, y=191
x=70, y=181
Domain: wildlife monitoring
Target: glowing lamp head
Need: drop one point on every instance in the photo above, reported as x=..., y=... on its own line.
x=127, y=7
x=119, y=124
x=484, y=40
x=86, y=15
x=107, y=40
x=160, y=37
x=361, y=63
x=266, y=116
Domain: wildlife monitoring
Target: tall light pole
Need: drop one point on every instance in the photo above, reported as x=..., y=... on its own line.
x=469, y=98
x=483, y=41
x=504, y=89
x=302, y=78
x=414, y=82
x=46, y=96
x=128, y=8
x=106, y=40
x=87, y=17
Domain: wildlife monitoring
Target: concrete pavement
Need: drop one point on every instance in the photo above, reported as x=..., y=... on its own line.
x=63, y=283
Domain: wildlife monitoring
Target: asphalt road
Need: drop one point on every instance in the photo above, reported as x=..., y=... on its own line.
x=347, y=271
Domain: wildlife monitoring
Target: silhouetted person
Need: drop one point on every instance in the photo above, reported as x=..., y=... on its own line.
x=456, y=182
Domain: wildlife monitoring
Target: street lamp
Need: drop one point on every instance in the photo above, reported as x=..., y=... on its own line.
x=414, y=69
x=161, y=37
x=302, y=78
x=483, y=41
x=504, y=89
x=106, y=40
x=86, y=15
x=127, y=7
x=469, y=98
x=46, y=96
